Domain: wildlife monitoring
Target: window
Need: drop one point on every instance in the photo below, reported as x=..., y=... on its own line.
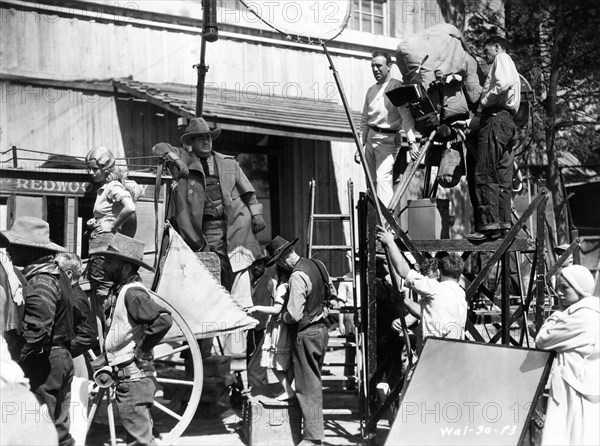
x=369, y=16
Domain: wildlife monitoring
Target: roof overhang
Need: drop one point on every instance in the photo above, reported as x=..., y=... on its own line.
x=249, y=110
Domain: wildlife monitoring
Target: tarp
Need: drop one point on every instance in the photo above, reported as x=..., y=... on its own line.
x=192, y=290
x=442, y=49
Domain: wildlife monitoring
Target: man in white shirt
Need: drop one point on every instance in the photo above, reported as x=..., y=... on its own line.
x=380, y=123
x=493, y=171
x=442, y=305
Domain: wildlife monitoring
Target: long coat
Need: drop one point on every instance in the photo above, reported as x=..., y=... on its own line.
x=573, y=407
x=239, y=202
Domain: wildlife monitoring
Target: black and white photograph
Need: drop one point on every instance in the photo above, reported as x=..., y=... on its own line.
x=299, y=222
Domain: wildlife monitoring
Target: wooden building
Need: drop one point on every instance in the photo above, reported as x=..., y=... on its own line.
x=120, y=75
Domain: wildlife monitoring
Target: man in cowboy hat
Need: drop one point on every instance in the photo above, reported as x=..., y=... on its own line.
x=214, y=205
x=47, y=327
x=310, y=291
x=263, y=293
x=137, y=323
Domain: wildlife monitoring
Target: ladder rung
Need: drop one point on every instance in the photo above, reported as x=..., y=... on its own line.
x=331, y=247
x=331, y=217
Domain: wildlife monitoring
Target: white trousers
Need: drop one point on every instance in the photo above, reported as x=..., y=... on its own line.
x=380, y=154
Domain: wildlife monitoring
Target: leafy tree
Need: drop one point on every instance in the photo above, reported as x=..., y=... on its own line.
x=555, y=46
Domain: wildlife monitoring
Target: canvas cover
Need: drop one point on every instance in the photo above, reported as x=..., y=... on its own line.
x=188, y=285
x=442, y=50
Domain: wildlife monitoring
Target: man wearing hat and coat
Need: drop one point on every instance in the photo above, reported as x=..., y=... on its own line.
x=310, y=290
x=47, y=327
x=214, y=206
x=135, y=326
x=264, y=285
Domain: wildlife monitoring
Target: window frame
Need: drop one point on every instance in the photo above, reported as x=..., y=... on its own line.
x=360, y=14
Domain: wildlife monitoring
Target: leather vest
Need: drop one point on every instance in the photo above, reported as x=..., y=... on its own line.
x=315, y=301
x=213, y=207
x=123, y=334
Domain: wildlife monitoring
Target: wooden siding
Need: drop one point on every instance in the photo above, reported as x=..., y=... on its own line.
x=37, y=47
x=59, y=121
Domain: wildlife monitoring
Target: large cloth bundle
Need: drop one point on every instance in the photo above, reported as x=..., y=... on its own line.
x=207, y=307
x=436, y=61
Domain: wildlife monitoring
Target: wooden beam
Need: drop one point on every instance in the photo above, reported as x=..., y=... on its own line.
x=561, y=260
x=463, y=245
x=540, y=280
x=506, y=243
x=404, y=238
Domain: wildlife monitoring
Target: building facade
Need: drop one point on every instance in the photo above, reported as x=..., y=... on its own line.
x=121, y=75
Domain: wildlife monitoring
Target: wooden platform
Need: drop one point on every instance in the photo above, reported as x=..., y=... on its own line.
x=462, y=245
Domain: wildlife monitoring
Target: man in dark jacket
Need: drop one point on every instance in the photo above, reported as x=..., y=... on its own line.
x=310, y=290
x=47, y=328
x=83, y=323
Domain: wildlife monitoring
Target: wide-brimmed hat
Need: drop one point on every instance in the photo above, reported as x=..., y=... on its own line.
x=126, y=248
x=29, y=231
x=277, y=246
x=263, y=255
x=198, y=126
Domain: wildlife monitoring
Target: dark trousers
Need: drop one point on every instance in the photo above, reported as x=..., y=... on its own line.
x=215, y=234
x=494, y=171
x=134, y=400
x=50, y=375
x=257, y=375
x=308, y=353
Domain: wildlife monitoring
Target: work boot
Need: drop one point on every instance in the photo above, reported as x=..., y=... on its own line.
x=482, y=236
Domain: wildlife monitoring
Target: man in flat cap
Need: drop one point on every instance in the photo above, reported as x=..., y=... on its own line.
x=47, y=327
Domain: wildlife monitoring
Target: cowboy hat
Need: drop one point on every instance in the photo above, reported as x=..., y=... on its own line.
x=29, y=231
x=198, y=126
x=277, y=247
x=127, y=249
x=264, y=256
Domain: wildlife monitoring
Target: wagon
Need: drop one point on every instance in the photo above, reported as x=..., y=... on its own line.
x=64, y=198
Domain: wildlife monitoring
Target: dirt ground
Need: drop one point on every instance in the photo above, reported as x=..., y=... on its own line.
x=220, y=424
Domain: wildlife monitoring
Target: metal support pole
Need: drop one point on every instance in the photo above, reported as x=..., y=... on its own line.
x=201, y=69
x=14, y=157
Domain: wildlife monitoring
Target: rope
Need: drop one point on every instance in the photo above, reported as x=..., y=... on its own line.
x=299, y=39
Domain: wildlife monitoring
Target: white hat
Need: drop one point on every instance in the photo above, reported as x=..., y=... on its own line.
x=580, y=278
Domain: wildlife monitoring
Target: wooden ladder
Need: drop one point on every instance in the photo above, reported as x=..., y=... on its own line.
x=350, y=250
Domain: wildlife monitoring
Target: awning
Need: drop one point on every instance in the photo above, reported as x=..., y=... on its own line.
x=250, y=109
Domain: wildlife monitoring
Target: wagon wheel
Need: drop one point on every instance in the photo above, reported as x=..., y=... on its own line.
x=178, y=393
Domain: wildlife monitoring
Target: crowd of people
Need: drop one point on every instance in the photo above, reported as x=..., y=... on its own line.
x=48, y=322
